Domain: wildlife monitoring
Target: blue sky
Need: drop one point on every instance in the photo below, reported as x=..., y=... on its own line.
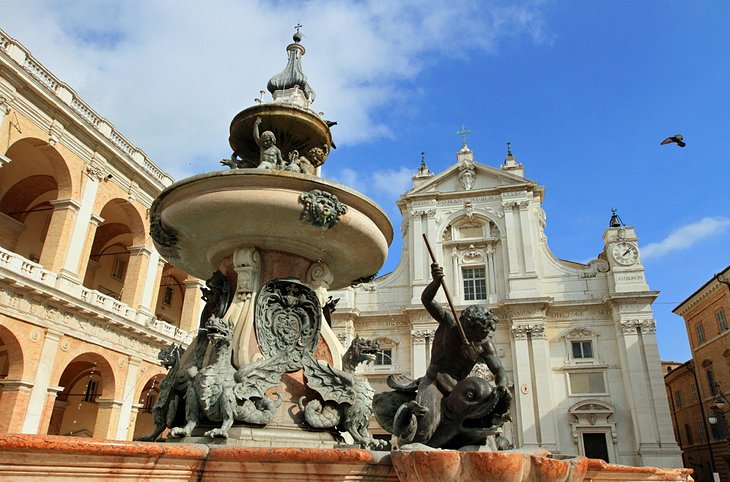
x=584, y=91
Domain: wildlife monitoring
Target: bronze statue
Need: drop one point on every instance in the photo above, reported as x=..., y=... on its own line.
x=446, y=408
x=270, y=154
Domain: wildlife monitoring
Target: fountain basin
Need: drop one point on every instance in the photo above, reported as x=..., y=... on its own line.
x=36, y=457
x=210, y=215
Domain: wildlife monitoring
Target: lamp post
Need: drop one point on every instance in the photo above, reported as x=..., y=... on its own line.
x=716, y=418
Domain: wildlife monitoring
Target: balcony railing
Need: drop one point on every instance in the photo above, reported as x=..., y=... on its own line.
x=17, y=270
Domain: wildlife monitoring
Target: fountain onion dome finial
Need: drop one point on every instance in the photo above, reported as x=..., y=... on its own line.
x=290, y=85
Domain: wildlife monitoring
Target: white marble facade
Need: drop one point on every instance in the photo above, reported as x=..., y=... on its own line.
x=577, y=340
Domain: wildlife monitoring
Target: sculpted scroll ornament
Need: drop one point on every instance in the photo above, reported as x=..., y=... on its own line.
x=321, y=209
x=521, y=330
x=634, y=327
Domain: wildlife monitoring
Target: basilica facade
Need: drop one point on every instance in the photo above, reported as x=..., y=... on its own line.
x=577, y=339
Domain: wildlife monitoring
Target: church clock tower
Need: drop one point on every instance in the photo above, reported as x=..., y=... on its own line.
x=621, y=249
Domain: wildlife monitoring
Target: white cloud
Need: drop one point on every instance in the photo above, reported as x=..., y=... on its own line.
x=171, y=76
x=686, y=236
x=392, y=183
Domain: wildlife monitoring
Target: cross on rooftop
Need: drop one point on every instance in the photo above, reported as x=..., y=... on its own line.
x=298, y=26
x=463, y=132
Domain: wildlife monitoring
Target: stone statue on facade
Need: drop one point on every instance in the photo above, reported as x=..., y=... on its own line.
x=446, y=408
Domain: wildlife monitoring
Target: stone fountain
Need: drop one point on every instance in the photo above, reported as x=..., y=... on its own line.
x=265, y=390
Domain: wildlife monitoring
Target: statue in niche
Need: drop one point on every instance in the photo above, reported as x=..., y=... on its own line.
x=447, y=408
x=270, y=154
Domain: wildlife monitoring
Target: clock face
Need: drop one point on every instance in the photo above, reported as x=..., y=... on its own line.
x=625, y=253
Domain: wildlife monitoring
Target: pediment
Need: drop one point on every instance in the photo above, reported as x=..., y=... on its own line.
x=485, y=178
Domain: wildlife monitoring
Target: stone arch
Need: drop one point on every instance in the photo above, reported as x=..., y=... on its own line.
x=147, y=393
x=109, y=257
x=449, y=226
x=11, y=355
x=35, y=155
x=171, y=296
x=133, y=216
x=14, y=391
x=86, y=379
x=36, y=178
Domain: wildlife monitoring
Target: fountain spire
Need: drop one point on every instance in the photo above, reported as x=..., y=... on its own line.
x=292, y=77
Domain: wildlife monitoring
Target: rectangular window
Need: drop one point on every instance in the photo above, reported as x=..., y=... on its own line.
x=90, y=392
x=584, y=383
x=688, y=433
x=701, y=430
x=721, y=322
x=167, y=298
x=582, y=349
x=118, y=268
x=678, y=399
x=700, y=333
x=711, y=382
x=149, y=401
x=384, y=357
x=470, y=232
x=693, y=392
x=475, y=284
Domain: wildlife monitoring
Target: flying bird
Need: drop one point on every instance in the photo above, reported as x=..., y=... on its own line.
x=678, y=139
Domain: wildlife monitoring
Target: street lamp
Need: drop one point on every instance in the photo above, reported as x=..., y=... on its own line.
x=717, y=416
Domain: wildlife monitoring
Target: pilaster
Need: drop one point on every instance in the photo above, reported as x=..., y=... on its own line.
x=134, y=283
x=59, y=232
x=82, y=225
x=14, y=398
x=130, y=395
x=94, y=222
x=39, y=392
x=192, y=306
x=107, y=418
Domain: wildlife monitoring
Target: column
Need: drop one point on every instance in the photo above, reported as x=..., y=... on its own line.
x=82, y=225
x=526, y=231
x=491, y=271
x=39, y=392
x=93, y=224
x=543, y=396
x=635, y=383
x=158, y=281
x=418, y=353
x=524, y=388
x=151, y=287
x=134, y=282
x=457, y=292
x=130, y=396
x=58, y=237
x=48, y=411
x=13, y=404
x=192, y=305
x=417, y=254
x=107, y=418
x=133, y=420
x=511, y=238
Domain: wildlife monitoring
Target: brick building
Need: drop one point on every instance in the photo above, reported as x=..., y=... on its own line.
x=699, y=390
x=86, y=302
